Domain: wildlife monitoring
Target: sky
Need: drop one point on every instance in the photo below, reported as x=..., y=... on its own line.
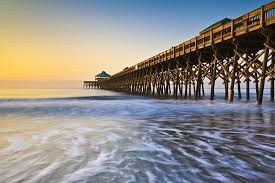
x=54, y=42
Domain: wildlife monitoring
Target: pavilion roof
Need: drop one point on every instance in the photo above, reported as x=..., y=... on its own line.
x=103, y=74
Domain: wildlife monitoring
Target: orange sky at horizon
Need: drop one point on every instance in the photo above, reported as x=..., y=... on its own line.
x=39, y=46
x=31, y=54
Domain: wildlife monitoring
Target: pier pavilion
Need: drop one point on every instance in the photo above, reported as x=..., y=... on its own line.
x=96, y=83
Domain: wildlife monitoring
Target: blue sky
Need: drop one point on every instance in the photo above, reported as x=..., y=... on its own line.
x=177, y=20
x=84, y=37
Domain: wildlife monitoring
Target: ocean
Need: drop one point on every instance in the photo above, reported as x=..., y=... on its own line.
x=98, y=136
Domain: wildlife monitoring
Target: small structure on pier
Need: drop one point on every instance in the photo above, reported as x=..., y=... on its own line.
x=96, y=83
x=102, y=76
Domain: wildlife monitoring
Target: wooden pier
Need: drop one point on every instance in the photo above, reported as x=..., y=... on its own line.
x=96, y=84
x=236, y=51
x=91, y=85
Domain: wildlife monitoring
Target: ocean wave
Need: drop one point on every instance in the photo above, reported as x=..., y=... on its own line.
x=137, y=140
x=122, y=97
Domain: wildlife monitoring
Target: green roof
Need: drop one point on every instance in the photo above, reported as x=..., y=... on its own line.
x=223, y=21
x=103, y=74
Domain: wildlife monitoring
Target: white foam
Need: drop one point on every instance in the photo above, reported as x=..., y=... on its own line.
x=91, y=168
x=14, y=144
x=151, y=177
x=40, y=175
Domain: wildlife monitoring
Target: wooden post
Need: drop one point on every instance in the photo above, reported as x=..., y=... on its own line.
x=194, y=87
x=247, y=85
x=167, y=81
x=146, y=85
x=256, y=85
x=239, y=85
x=198, y=81
x=232, y=29
x=163, y=85
x=200, y=91
x=149, y=82
x=226, y=82
x=272, y=78
x=190, y=87
x=159, y=74
x=175, y=89
x=177, y=81
x=186, y=84
x=235, y=62
x=226, y=90
x=239, y=90
x=166, y=88
x=262, y=17
x=213, y=76
x=169, y=87
x=174, y=86
x=202, y=88
x=181, y=88
x=155, y=81
x=263, y=75
x=199, y=78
